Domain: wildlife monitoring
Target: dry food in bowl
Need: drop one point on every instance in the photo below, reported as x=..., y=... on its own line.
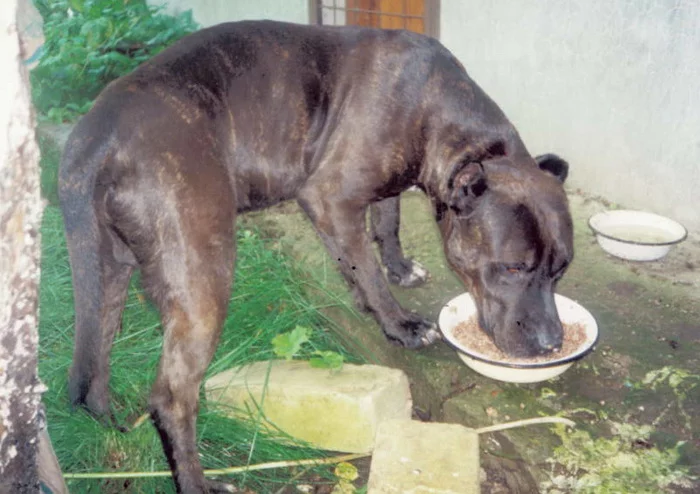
x=458, y=324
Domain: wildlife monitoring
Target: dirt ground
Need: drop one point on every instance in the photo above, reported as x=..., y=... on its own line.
x=645, y=370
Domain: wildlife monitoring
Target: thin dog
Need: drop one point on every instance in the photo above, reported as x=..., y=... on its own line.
x=241, y=116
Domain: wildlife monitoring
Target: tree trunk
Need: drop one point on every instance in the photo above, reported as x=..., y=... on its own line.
x=20, y=215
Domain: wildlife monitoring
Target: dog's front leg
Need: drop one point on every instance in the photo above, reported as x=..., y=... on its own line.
x=385, y=223
x=342, y=227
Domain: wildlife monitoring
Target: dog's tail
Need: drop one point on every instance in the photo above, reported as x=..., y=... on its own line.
x=78, y=171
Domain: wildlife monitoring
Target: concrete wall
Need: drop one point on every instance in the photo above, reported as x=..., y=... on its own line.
x=209, y=12
x=612, y=85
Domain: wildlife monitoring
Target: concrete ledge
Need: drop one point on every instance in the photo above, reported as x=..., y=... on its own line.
x=335, y=410
x=413, y=457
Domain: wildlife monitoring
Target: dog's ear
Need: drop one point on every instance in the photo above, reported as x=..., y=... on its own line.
x=466, y=185
x=553, y=164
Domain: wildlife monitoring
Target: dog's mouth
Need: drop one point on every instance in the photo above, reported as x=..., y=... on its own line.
x=519, y=339
x=485, y=327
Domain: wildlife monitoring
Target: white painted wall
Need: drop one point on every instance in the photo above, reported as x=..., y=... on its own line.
x=210, y=12
x=612, y=85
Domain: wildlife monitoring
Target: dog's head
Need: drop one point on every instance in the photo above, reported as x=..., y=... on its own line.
x=508, y=235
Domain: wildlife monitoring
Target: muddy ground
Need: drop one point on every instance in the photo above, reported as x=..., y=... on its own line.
x=644, y=372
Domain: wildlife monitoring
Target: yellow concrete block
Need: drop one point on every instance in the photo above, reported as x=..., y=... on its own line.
x=413, y=457
x=335, y=410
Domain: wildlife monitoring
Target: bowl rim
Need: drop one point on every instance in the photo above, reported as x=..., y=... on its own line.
x=523, y=365
x=597, y=231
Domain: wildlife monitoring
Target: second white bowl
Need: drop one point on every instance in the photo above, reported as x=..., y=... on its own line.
x=636, y=235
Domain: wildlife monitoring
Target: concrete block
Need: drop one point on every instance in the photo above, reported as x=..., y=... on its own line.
x=413, y=457
x=335, y=410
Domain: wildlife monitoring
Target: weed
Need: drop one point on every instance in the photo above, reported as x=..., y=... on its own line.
x=89, y=43
x=625, y=462
x=345, y=474
x=289, y=345
x=680, y=381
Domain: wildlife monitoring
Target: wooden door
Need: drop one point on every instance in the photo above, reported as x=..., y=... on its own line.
x=415, y=15
x=387, y=14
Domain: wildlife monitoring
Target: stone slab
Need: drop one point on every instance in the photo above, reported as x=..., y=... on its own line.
x=334, y=410
x=412, y=457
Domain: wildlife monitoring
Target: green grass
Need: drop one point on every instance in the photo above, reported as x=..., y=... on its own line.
x=48, y=164
x=268, y=298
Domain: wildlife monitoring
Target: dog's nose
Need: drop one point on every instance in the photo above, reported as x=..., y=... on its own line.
x=550, y=339
x=549, y=346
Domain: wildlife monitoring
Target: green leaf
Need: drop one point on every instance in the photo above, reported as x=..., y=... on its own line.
x=76, y=5
x=115, y=56
x=346, y=471
x=326, y=360
x=287, y=345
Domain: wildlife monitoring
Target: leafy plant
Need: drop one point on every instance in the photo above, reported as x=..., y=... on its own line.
x=625, y=462
x=326, y=359
x=89, y=43
x=288, y=345
x=680, y=381
x=345, y=473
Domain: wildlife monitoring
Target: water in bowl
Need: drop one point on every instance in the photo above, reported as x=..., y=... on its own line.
x=637, y=233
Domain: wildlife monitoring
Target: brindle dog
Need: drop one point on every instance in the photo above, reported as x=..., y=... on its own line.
x=244, y=115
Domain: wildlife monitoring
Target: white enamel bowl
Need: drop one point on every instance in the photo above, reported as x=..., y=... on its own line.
x=636, y=235
x=462, y=308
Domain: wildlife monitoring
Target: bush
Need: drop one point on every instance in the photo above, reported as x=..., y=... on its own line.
x=92, y=42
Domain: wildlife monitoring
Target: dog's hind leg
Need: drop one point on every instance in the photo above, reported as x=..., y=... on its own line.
x=187, y=257
x=193, y=307
x=385, y=218
x=192, y=322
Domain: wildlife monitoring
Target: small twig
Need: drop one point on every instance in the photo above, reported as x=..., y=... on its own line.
x=663, y=413
x=520, y=423
x=220, y=471
x=456, y=392
x=139, y=421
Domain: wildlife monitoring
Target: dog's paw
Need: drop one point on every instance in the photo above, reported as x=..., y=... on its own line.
x=431, y=336
x=413, y=332
x=408, y=274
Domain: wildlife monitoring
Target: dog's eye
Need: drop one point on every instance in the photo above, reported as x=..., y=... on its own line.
x=514, y=268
